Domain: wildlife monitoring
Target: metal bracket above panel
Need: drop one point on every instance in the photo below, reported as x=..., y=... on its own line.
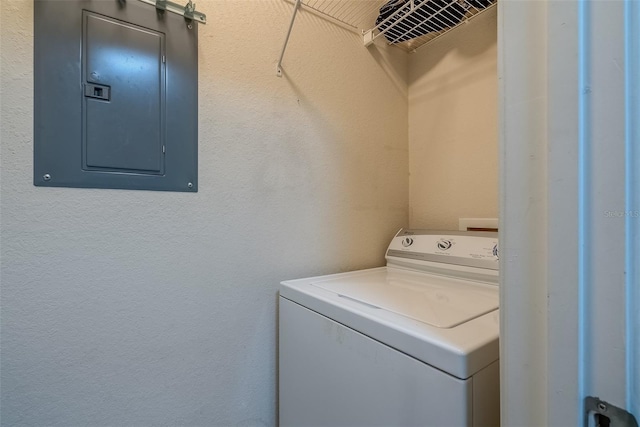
x=188, y=10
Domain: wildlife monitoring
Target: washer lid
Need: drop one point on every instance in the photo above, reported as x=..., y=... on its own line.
x=439, y=301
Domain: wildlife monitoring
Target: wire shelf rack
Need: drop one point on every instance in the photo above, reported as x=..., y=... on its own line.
x=406, y=24
x=355, y=15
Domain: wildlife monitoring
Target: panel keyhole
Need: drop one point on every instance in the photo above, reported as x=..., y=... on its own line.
x=97, y=91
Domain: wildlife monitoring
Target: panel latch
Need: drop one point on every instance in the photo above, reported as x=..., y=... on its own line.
x=92, y=90
x=603, y=414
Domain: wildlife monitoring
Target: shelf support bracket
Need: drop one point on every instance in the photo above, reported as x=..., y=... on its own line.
x=286, y=40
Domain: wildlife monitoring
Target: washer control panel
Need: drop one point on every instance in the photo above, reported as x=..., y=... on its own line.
x=472, y=248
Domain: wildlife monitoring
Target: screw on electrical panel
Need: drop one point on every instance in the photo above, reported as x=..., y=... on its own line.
x=602, y=407
x=190, y=185
x=190, y=26
x=46, y=177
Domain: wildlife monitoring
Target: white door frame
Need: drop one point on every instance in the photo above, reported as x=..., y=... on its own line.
x=570, y=190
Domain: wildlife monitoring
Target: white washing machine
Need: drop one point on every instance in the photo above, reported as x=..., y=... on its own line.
x=414, y=343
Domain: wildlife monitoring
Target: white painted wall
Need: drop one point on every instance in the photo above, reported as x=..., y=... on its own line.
x=453, y=136
x=152, y=308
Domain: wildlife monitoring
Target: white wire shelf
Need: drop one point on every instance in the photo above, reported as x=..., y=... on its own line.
x=415, y=23
x=355, y=15
x=407, y=24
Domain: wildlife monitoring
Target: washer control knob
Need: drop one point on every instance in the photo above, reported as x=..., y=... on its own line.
x=444, y=244
x=407, y=241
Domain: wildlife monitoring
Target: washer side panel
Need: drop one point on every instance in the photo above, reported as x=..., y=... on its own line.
x=331, y=375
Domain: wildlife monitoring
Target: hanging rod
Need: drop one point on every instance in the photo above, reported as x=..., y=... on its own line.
x=188, y=10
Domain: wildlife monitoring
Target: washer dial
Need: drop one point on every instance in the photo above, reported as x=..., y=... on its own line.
x=444, y=244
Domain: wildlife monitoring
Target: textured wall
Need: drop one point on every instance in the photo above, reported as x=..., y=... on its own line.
x=453, y=140
x=151, y=308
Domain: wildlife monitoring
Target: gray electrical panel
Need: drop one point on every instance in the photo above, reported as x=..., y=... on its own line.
x=116, y=100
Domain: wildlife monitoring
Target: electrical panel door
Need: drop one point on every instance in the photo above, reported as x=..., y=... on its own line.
x=115, y=96
x=124, y=79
